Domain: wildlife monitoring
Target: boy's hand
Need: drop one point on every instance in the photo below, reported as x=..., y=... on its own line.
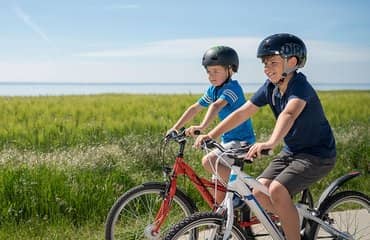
x=193, y=131
x=255, y=150
x=200, y=140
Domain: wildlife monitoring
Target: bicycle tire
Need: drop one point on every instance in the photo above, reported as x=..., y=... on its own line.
x=202, y=222
x=135, y=210
x=343, y=210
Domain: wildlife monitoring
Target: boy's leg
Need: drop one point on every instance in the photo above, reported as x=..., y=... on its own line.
x=302, y=171
x=276, y=166
x=223, y=170
x=209, y=164
x=285, y=209
x=281, y=204
x=262, y=198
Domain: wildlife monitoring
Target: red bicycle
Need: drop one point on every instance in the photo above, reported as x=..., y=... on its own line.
x=147, y=211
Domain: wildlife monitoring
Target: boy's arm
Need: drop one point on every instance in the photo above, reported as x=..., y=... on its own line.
x=212, y=112
x=283, y=124
x=286, y=120
x=233, y=120
x=187, y=115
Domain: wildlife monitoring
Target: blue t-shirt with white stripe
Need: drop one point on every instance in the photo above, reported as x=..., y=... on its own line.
x=231, y=92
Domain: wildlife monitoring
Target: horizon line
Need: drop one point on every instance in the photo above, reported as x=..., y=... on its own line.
x=149, y=83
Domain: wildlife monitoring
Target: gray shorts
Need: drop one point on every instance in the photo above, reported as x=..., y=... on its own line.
x=229, y=145
x=297, y=172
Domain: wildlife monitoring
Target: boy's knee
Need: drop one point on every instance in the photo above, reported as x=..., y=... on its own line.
x=278, y=192
x=208, y=161
x=258, y=194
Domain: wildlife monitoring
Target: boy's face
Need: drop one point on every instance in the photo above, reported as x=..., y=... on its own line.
x=273, y=67
x=217, y=75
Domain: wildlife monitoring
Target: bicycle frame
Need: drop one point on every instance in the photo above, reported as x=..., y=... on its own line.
x=242, y=183
x=180, y=167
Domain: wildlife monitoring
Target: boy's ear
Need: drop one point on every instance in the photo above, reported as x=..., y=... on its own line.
x=292, y=62
x=231, y=72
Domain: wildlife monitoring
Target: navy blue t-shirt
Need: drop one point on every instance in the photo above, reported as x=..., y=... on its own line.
x=231, y=92
x=311, y=132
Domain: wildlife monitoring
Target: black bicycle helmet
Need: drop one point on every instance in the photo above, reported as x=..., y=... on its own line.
x=221, y=55
x=284, y=44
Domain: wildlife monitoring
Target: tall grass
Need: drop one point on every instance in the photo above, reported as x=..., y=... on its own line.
x=64, y=160
x=46, y=123
x=50, y=194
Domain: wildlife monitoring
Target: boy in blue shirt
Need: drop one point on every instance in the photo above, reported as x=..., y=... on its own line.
x=224, y=96
x=309, y=151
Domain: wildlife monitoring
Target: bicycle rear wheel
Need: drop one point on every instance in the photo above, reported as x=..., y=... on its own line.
x=347, y=212
x=133, y=213
x=207, y=225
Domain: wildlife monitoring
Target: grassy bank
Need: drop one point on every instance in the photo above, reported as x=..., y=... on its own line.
x=64, y=160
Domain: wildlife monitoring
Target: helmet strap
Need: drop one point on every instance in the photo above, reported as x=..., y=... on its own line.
x=228, y=75
x=286, y=71
x=227, y=79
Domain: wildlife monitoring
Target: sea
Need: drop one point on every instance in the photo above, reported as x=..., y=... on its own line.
x=68, y=88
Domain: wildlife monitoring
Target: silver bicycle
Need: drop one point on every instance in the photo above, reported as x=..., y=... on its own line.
x=337, y=215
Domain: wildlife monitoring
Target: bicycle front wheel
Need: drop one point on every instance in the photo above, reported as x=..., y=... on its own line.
x=132, y=215
x=347, y=212
x=206, y=225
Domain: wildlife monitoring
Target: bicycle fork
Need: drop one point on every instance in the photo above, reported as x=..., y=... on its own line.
x=163, y=210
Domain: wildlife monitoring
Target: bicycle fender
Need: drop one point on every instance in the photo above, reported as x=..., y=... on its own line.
x=329, y=191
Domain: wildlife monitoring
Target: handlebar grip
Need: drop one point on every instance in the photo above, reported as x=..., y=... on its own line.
x=267, y=152
x=209, y=143
x=171, y=135
x=249, y=161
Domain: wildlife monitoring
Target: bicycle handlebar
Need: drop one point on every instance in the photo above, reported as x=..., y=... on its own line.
x=235, y=153
x=178, y=136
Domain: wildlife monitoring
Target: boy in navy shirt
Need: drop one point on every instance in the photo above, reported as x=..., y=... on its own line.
x=309, y=151
x=224, y=96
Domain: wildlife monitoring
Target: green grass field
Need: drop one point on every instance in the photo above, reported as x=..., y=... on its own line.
x=66, y=159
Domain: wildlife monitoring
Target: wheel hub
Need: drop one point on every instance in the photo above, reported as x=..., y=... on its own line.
x=149, y=234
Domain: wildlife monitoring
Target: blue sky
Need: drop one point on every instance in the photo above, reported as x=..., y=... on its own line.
x=163, y=41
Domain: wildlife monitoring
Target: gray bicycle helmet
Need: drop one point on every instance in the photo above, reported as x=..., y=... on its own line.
x=284, y=44
x=221, y=55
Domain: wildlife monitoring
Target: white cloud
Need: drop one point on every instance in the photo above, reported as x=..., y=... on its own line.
x=179, y=48
x=180, y=61
x=245, y=46
x=100, y=72
x=334, y=52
